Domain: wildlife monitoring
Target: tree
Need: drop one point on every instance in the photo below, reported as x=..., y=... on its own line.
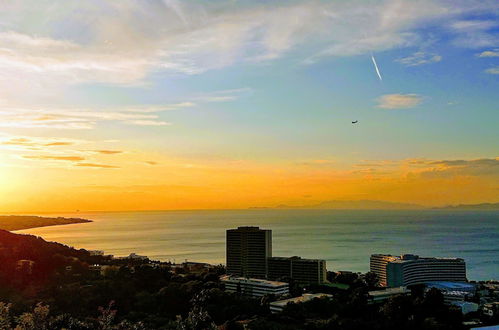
x=372, y=280
x=36, y=320
x=5, y=317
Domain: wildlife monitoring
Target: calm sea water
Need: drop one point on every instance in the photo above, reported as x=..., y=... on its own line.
x=345, y=238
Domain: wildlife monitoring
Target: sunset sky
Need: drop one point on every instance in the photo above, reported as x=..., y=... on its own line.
x=138, y=105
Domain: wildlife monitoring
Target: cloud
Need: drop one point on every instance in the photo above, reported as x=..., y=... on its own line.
x=108, y=152
x=93, y=165
x=66, y=158
x=159, y=108
x=35, y=142
x=123, y=42
x=447, y=168
x=475, y=33
x=494, y=70
x=225, y=95
x=52, y=144
x=399, y=101
x=467, y=163
x=489, y=53
x=79, y=119
x=148, y=123
x=419, y=58
x=150, y=162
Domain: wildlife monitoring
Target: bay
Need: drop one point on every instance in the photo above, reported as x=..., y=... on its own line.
x=344, y=238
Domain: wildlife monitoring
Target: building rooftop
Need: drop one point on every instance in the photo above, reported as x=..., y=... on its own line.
x=304, y=298
x=413, y=257
x=389, y=291
x=246, y=228
x=295, y=258
x=451, y=286
x=252, y=280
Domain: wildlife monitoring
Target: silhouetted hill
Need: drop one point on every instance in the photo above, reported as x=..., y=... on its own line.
x=19, y=222
x=47, y=258
x=482, y=206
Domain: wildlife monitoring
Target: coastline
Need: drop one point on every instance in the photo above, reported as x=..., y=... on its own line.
x=23, y=222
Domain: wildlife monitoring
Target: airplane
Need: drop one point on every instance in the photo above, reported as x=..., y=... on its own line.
x=355, y=122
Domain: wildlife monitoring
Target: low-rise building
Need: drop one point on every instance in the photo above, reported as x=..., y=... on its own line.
x=466, y=306
x=133, y=256
x=410, y=269
x=191, y=267
x=454, y=291
x=491, y=309
x=254, y=287
x=303, y=271
x=96, y=252
x=279, y=305
x=378, y=296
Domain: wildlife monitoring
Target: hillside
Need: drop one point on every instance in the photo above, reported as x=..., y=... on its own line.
x=19, y=222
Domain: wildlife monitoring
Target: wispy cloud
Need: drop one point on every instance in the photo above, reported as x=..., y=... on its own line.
x=419, y=58
x=148, y=123
x=27, y=142
x=128, y=40
x=37, y=143
x=159, y=108
x=108, y=152
x=494, y=70
x=489, y=53
x=94, y=165
x=399, y=101
x=43, y=157
x=475, y=33
x=472, y=167
x=225, y=95
x=69, y=118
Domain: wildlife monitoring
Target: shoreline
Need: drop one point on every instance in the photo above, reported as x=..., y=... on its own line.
x=23, y=222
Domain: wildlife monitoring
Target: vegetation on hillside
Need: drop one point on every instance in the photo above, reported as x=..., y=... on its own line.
x=61, y=289
x=20, y=222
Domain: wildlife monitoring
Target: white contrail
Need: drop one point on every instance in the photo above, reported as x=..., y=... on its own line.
x=376, y=67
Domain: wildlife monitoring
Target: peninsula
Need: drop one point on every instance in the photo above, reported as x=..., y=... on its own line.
x=20, y=222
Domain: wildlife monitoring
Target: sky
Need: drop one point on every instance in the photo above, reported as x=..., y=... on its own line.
x=157, y=105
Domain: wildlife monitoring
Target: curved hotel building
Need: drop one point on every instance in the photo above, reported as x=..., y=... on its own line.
x=411, y=269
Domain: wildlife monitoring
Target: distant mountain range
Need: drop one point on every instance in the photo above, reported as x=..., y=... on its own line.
x=482, y=206
x=348, y=204
x=380, y=205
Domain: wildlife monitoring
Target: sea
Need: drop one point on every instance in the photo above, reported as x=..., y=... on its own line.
x=344, y=238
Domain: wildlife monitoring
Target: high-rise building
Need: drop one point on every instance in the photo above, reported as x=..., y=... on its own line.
x=247, y=251
x=304, y=271
x=411, y=269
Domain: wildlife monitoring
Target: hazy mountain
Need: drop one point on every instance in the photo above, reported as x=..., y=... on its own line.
x=348, y=204
x=482, y=206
